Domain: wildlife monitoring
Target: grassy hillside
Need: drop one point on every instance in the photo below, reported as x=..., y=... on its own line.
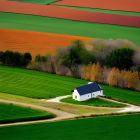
x=36, y=84
x=93, y=102
x=68, y=27
x=13, y=113
x=103, y=128
x=122, y=94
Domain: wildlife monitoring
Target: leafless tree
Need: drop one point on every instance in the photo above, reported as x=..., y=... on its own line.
x=133, y=68
x=60, y=51
x=50, y=64
x=136, y=58
x=76, y=71
x=105, y=75
x=89, y=47
x=63, y=70
x=137, y=85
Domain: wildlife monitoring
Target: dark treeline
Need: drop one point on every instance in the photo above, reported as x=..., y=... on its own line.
x=15, y=58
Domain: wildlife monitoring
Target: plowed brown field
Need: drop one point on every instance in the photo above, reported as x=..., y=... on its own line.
x=65, y=13
x=34, y=42
x=121, y=5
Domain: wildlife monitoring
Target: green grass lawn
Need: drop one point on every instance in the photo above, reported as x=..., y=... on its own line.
x=122, y=94
x=102, y=128
x=102, y=10
x=93, y=102
x=44, y=2
x=36, y=84
x=68, y=27
x=13, y=113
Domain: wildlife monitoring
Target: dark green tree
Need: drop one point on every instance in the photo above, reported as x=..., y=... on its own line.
x=120, y=58
x=9, y=57
x=26, y=58
x=38, y=58
x=77, y=55
x=138, y=68
x=17, y=59
x=2, y=57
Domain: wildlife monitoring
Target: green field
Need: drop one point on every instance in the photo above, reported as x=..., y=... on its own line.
x=102, y=10
x=68, y=27
x=102, y=128
x=13, y=113
x=93, y=102
x=44, y=2
x=122, y=94
x=36, y=84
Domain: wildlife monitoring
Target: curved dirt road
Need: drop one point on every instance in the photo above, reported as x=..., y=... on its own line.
x=60, y=114
x=125, y=109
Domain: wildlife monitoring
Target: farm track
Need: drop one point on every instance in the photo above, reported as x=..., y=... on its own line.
x=70, y=14
x=125, y=5
x=60, y=114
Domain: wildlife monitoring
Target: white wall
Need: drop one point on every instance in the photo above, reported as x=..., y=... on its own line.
x=75, y=93
x=86, y=96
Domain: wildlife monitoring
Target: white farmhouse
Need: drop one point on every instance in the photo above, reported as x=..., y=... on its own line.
x=85, y=92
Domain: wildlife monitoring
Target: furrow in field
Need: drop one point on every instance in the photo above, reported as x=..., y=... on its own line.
x=120, y=5
x=71, y=14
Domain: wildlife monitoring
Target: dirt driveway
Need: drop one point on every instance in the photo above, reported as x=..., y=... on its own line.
x=60, y=114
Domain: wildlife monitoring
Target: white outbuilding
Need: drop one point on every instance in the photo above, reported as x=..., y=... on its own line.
x=88, y=91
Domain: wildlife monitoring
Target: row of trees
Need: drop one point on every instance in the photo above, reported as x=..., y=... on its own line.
x=78, y=61
x=111, y=76
x=103, y=47
x=15, y=58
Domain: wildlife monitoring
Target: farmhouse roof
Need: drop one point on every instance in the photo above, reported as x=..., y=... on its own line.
x=93, y=87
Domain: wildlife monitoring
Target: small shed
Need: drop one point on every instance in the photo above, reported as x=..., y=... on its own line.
x=88, y=91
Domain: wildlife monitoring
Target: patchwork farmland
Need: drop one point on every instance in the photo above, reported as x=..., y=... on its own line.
x=39, y=27
x=132, y=5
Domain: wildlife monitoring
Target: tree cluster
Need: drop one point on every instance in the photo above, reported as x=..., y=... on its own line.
x=15, y=58
x=75, y=54
x=111, y=76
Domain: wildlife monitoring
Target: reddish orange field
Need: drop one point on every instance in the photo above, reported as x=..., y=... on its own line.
x=70, y=14
x=121, y=5
x=34, y=42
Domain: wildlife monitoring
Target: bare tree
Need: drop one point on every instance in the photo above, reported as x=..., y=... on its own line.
x=105, y=75
x=76, y=71
x=136, y=58
x=60, y=51
x=89, y=47
x=63, y=70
